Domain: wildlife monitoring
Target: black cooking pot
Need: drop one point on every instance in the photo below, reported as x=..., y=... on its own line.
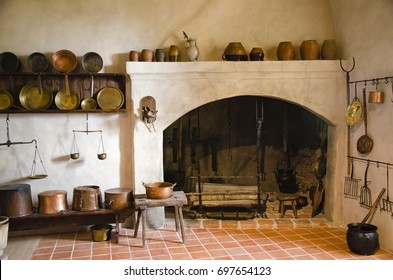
x=285, y=175
x=362, y=240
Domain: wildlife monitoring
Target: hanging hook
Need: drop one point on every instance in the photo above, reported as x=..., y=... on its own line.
x=353, y=66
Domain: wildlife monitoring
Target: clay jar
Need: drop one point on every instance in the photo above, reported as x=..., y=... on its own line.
x=147, y=55
x=160, y=55
x=329, y=50
x=309, y=50
x=174, y=53
x=134, y=55
x=257, y=54
x=235, y=52
x=285, y=51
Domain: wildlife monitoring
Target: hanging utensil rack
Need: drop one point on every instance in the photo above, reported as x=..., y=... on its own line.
x=9, y=143
x=387, y=205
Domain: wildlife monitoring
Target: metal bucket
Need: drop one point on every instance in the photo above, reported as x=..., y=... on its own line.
x=15, y=200
x=86, y=198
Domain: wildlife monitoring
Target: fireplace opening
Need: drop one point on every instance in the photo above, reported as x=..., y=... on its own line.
x=235, y=154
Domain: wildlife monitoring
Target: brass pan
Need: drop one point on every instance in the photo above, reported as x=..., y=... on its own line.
x=67, y=101
x=31, y=98
x=6, y=100
x=110, y=98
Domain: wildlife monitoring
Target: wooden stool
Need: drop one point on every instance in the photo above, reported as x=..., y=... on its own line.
x=282, y=197
x=177, y=201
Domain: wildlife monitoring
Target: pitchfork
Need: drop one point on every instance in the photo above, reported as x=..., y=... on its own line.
x=365, y=192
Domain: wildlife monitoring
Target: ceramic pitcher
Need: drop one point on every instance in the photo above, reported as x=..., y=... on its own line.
x=192, y=50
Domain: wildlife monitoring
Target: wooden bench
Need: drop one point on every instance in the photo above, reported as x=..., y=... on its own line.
x=70, y=218
x=177, y=200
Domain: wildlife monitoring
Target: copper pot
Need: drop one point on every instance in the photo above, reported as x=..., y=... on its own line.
x=87, y=198
x=159, y=190
x=119, y=198
x=15, y=200
x=52, y=202
x=376, y=96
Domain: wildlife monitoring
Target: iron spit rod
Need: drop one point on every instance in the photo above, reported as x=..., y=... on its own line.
x=377, y=162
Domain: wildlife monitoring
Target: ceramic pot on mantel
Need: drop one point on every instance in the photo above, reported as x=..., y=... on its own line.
x=285, y=51
x=174, y=53
x=257, y=54
x=309, y=50
x=329, y=50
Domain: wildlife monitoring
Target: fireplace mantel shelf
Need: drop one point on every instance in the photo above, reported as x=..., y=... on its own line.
x=298, y=68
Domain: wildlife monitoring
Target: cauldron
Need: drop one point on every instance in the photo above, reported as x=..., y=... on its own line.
x=362, y=240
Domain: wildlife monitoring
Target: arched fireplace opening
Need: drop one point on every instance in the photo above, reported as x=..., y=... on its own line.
x=239, y=152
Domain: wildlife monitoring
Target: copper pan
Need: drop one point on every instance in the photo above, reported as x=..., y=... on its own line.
x=65, y=61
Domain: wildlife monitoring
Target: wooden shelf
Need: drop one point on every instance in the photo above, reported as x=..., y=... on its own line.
x=79, y=83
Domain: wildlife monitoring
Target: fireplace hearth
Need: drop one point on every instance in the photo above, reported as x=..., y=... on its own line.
x=318, y=87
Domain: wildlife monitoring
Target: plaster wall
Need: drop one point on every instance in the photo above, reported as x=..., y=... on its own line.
x=363, y=32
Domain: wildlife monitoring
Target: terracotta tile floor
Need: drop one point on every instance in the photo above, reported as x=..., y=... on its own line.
x=211, y=239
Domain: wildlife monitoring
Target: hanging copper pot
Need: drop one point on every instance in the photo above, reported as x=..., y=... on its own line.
x=376, y=96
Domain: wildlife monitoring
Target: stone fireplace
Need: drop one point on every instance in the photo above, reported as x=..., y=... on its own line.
x=178, y=88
